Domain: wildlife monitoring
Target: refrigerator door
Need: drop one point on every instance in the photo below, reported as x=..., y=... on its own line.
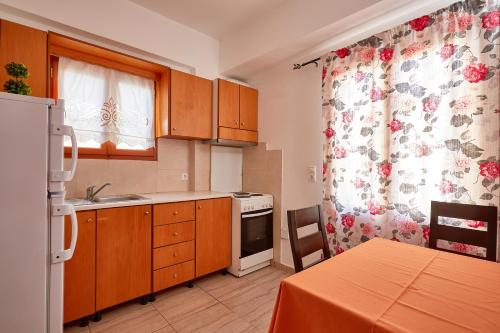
x=58, y=209
x=24, y=236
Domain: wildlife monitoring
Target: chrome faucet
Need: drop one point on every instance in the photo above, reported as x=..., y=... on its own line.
x=91, y=193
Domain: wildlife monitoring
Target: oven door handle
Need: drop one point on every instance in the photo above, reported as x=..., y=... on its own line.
x=257, y=214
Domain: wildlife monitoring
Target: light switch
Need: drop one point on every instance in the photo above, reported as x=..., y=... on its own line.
x=311, y=174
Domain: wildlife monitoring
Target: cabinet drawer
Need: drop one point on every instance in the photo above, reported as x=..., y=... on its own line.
x=170, y=276
x=173, y=254
x=173, y=233
x=173, y=213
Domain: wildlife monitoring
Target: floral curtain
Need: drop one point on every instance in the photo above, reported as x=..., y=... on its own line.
x=103, y=104
x=412, y=115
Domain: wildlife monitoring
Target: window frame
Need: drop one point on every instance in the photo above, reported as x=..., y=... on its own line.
x=59, y=45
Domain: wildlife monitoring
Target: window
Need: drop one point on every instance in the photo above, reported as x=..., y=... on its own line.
x=111, y=100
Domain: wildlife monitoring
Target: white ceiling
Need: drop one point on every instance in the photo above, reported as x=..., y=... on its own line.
x=255, y=34
x=211, y=17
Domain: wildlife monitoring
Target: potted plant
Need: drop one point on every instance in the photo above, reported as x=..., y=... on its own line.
x=17, y=85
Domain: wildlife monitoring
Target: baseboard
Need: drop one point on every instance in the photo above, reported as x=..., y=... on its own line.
x=282, y=267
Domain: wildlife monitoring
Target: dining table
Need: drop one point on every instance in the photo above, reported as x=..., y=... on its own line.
x=387, y=286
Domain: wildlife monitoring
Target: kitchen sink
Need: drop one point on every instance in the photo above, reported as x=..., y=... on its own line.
x=78, y=202
x=106, y=199
x=119, y=198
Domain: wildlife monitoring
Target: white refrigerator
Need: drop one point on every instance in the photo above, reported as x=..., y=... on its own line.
x=32, y=211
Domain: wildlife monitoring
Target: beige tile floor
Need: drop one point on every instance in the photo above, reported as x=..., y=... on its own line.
x=216, y=303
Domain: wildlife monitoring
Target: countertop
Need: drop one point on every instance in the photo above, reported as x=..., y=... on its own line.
x=157, y=198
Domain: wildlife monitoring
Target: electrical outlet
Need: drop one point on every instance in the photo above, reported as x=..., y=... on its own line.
x=184, y=176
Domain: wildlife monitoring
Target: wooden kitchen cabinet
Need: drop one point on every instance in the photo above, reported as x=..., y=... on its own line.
x=248, y=109
x=123, y=254
x=79, y=271
x=174, y=212
x=190, y=106
x=237, y=112
x=213, y=235
x=228, y=104
x=27, y=46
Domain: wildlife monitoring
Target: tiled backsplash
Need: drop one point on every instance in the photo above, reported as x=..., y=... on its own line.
x=164, y=175
x=263, y=173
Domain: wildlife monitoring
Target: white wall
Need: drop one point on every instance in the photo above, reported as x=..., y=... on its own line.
x=123, y=22
x=290, y=119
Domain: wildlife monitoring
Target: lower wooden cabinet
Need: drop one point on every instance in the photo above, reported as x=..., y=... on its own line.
x=123, y=258
x=213, y=235
x=79, y=271
x=116, y=260
x=173, y=254
x=173, y=275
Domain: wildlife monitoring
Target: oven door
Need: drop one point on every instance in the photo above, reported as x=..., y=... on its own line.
x=256, y=232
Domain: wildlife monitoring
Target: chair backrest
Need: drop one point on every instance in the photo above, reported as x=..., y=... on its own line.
x=316, y=241
x=486, y=239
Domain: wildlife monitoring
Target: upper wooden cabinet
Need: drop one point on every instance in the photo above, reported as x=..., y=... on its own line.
x=79, y=271
x=228, y=104
x=190, y=106
x=237, y=112
x=123, y=259
x=248, y=108
x=27, y=46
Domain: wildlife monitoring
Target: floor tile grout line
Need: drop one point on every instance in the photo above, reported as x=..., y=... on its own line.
x=161, y=314
x=237, y=314
x=263, y=282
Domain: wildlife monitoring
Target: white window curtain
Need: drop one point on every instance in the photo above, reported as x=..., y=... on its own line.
x=103, y=104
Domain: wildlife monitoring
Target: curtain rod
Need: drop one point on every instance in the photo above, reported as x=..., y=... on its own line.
x=299, y=66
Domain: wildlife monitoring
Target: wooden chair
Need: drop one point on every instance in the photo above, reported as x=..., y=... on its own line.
x=304, y=246
x=486, y=239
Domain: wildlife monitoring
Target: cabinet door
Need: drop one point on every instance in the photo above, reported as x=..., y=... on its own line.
x=190, y=106
x=79, y=271
x=213, y=235
x=27, y=46
x=248, y=108
x=123, y=254
x=228, y=104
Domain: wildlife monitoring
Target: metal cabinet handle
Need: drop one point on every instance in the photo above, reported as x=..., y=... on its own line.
x=199, y=207
x=242, y=124
x=175, y=254
x=176, y=213
x=175, y=233
x=89, y=220
x=174, y=275
x=174, y=129
x=146, y=213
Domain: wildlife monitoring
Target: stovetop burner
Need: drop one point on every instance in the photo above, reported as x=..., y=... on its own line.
x=246, y=194
x=242, y=194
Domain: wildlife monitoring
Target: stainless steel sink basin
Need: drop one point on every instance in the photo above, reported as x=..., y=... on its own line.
x=106, y=199
x=78, y=202
x=119, y=198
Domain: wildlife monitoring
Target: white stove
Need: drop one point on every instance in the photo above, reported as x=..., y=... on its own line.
x=252, y=232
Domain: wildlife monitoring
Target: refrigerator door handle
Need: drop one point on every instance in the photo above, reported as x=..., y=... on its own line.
x=62, y=210
x=63, y=175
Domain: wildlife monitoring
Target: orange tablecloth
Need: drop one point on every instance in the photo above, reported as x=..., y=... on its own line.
x=386, y=286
